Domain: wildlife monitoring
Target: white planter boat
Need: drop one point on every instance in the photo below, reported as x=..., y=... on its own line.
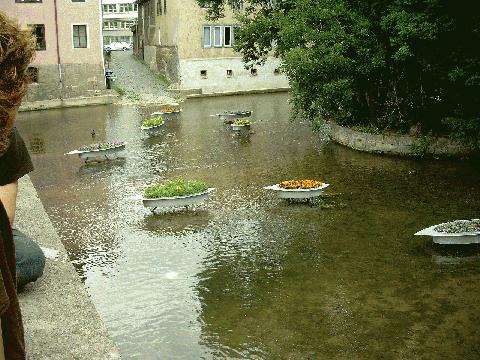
x=175, y=201
x=229, y=116
x=297, y=193
x=239, y=127
x=450, y=238
x=151, y=129
x=105, y=153
x=171, y=113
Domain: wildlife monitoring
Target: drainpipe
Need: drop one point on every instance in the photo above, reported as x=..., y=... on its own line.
x=58, y=50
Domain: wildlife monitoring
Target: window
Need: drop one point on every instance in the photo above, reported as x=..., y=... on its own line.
x=253, y=72
x=217, y=36
x=207, y=36
x=135, y=7
x=78, y=0
x=159, y=7
x=165, y=7
x=276, y=71
x=28, y=1
x=32, y=73
x=125, y=8
x=125, y=25
x=110, y=8
x=80, y=36
x=110, y=25
x=203, y=74
x=227, y=36
x=229, y=73
x=38, y=30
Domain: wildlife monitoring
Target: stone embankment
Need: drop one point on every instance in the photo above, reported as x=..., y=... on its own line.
x=395, y=144
x=59, y=317
x=140, y=84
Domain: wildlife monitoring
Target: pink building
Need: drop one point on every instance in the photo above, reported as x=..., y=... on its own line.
x=69, y=57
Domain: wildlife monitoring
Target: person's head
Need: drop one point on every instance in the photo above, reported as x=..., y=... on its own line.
x=17, y=48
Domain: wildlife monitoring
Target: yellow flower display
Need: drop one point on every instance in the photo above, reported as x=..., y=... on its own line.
x=300, y=184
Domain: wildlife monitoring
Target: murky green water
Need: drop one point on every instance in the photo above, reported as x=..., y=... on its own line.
x=248, y=276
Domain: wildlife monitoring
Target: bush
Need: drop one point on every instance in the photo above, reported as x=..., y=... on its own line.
x=386, y=64
x=175, y=188
x=156, y=121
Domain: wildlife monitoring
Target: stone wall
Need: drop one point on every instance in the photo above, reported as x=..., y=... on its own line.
x=393, y=144
x=164, y=60
x=79, y=80
x=168, y=63
x=220, y=75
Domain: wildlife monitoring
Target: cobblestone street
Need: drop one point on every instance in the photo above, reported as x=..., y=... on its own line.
x=140, y=84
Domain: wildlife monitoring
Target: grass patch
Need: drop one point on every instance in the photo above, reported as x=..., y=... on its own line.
x=175, y=188
x=118, y=89
x=133, y=96
x=162, y=78
x=153, y=121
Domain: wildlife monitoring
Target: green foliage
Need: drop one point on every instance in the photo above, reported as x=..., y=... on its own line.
x=118, y=89
x=155, y=121
x=420, y=149
x=175, y=188
x=466, y=131
x=243, y=121
x=387, y=64
x=163, y=78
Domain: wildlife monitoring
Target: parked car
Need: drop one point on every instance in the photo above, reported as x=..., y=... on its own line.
x=117, y=45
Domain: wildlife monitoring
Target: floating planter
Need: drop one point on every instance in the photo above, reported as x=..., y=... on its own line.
x=151, y=125
x=175, y=193
x=298, y=189
x=240, y=124
x=454, y=232
x=101, y=150
x=229, y=116
x=167, y=111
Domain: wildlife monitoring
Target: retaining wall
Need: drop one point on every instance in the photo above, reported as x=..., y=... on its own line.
x=393, y=144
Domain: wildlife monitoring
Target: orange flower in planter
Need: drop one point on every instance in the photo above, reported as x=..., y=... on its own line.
x=300, y=184
x=168, y=110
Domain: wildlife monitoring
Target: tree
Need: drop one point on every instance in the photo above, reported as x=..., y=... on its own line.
x=376, y=63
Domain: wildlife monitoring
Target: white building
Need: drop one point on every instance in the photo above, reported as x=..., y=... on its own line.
x=118, y=18
x=196, y=55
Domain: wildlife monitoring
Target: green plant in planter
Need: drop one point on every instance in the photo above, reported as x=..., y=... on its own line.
x=175, y=188
x=101, y=146
x=241, y=122
x=156, y=121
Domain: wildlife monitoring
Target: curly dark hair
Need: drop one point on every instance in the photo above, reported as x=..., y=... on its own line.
x=17, y=49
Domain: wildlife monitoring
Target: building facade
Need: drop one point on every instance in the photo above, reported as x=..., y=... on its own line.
x=119, y=16
x=69, y=57
x=195, y=55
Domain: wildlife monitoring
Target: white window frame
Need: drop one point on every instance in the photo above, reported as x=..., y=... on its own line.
x=109, y=7
x=87, y=30
x=220, y=43
x=203, y=36
x=231, y=36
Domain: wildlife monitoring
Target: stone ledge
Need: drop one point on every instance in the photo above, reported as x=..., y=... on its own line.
x=68, y=102
x=59, y=317
x=393, y=144
x=238, y=92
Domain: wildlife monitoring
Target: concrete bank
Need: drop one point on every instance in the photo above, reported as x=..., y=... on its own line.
x=395, y=144
x=196, y=93
x=59, y=317
x=69, y=102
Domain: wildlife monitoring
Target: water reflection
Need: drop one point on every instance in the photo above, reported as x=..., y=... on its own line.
x=177, y=221
x=248, y=275
x=93, y=167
